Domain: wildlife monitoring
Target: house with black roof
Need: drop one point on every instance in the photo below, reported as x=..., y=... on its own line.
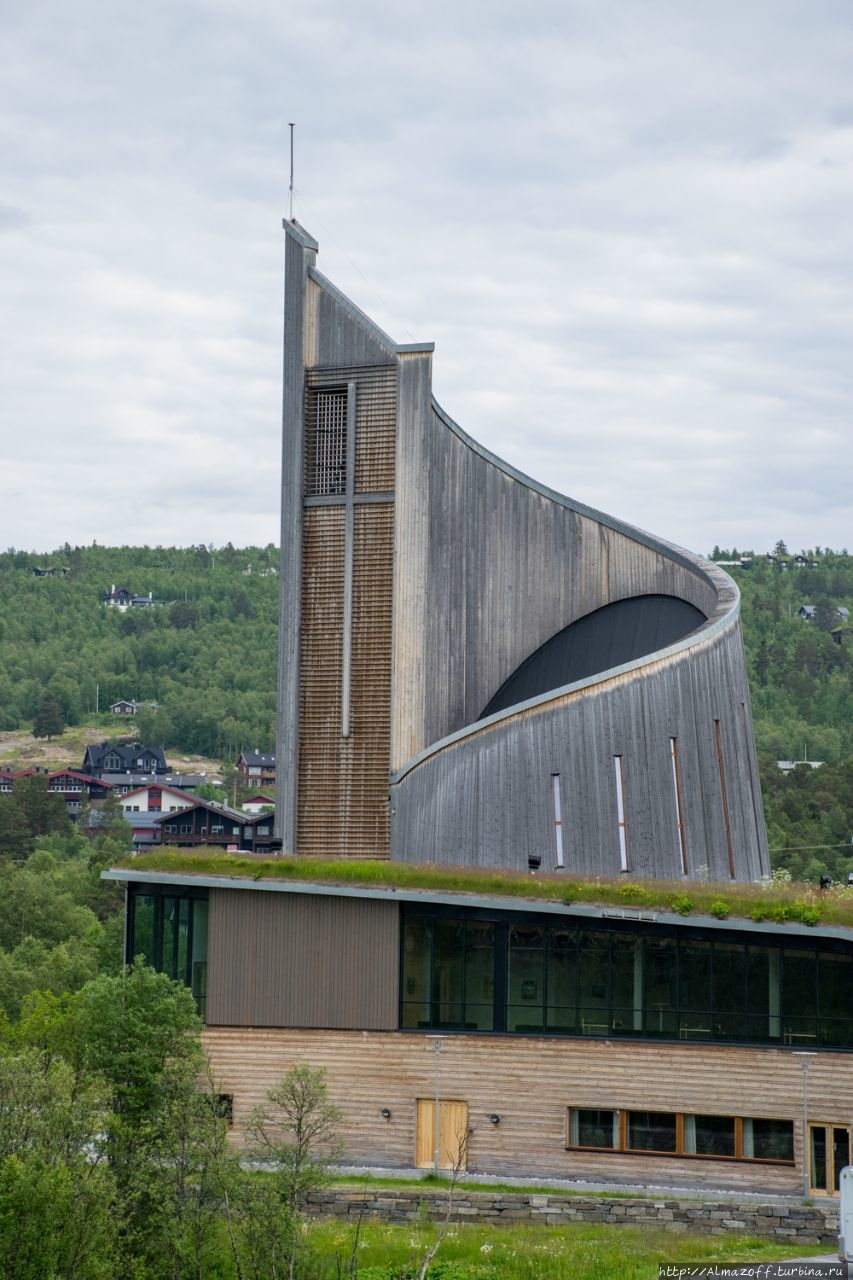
x=107, y=759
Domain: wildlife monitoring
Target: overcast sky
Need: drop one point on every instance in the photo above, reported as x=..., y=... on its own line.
x=626, y=225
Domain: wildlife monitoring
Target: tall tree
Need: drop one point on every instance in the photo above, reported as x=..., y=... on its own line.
x=49, y=721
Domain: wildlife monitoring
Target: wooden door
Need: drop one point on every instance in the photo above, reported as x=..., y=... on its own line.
x=451, y=1134
x=829, y=1152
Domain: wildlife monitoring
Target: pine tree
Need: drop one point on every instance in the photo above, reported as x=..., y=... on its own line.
x=49, y=720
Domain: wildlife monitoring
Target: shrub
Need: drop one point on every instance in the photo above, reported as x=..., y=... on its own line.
x=719, y=909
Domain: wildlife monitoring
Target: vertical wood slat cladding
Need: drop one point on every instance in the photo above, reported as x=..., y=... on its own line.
x=278, y=960
x=368, y=819
x=375, y=409
x=530, y=1082
x=320, y=791
x=343, y=782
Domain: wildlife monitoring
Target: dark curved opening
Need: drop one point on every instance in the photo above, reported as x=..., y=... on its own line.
x=617, y=633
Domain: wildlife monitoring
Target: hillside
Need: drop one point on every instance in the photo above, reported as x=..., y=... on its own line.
x=801, y=681
x=207, y=658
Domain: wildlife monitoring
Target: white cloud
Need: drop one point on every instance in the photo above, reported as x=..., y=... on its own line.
x=626, y=227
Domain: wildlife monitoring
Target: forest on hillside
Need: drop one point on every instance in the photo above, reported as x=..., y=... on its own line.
x=801, y=683
x=204, y=663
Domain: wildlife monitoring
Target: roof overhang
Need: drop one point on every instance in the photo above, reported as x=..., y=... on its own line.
x=484, y=902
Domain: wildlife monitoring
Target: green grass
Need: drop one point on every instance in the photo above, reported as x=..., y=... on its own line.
x=430, y=1184
x=523, y=1252
x=777, y=902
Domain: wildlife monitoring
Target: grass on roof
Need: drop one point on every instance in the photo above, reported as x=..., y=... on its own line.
x=778, y=902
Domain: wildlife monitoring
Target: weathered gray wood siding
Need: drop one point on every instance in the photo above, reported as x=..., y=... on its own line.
x=299, y=255
x=332, y=796
x=489, y=566
x=277, y=960
x=463, y=568
x=496, y=566
x=530, y=1082
x=486, y=797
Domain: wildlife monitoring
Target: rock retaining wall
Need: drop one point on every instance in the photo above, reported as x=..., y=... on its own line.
x=794, y=1222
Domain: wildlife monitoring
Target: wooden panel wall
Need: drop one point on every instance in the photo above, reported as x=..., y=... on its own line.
x=298, y=260
x=507, y=567
x=487, y=798
x=529, y=1083
x=282, y=960
x=322, y=807
x=343, y=782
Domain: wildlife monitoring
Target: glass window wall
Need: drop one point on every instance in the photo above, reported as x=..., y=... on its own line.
x=530, y=974
x=169, y=931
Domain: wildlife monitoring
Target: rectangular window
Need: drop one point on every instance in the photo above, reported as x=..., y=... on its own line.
x=651, y=1131
x=598, y=1129
x=620, y=813
x=709, y=1135
x=768, y=1140
x=679, y=814
x=676, y=1134
x=170, y=933
x=328, y=459
x=558, y=820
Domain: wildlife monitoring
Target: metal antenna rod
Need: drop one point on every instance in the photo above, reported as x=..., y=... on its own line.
x=292, y=127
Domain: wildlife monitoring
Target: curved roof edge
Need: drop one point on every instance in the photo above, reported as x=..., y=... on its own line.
x=722, y=583
x=723, y=617
x=713, y=627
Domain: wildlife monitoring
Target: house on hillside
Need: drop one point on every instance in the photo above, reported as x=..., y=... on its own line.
x=76, y=788
x=131, y=781
x=205, y=823
x=256, y=768
x=257, y=803
x=122, y=598
x=155, y=798
x=106, y=759
x=125, y=707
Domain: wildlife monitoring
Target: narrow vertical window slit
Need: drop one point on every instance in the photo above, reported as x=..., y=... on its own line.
x=620, y=813
x=557, y=812
x=679, y=810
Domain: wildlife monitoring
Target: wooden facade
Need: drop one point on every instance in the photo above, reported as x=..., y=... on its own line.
x=419, y=573
x=330, y=976
x=530, y=1083
x=287, y=960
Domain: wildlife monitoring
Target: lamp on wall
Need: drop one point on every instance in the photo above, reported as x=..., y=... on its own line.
x=494, y=1118
x=386, y=1114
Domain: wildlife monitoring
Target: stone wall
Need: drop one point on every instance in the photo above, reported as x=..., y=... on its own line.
x=793, y=1222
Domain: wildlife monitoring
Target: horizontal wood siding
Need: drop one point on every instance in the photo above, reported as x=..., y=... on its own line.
x=530, y=1083
x=302, y=961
